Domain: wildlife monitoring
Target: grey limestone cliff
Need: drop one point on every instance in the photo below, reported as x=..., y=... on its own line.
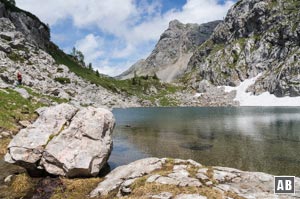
x=23, y=50
x=255, y=37
x=32, y=28
x=173, y=51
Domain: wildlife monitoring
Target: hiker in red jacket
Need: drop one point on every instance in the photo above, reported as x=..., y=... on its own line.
x=19, y=76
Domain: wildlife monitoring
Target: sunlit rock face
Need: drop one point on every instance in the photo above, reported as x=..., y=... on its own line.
x=65, y=141
x=35, y=32
x=173, y=51
x=256, y=37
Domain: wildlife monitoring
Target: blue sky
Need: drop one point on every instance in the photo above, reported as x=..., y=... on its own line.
x=114, y=34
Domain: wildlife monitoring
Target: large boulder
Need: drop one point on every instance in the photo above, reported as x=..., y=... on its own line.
x=65, y=141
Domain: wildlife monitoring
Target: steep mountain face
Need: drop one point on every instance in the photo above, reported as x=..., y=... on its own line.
x=21, y=42
x=255, y=37
x=173, y=51
x=30, y=26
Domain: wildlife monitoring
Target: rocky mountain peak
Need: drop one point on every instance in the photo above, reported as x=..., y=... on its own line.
x=25, y=48
x=245, y=19
x=175, y=24
x=35, y=31
x=255, y=37
x=171, y=54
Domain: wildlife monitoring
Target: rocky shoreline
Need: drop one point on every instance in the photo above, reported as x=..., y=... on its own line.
x=162, y=178
x=69, y=142
x=175, y=178
x=68, y=145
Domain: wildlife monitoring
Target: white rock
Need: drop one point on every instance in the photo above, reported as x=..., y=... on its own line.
x=190, y=182
x=179, y=167
x=65, y=141
x=202, y=176
x=27, y=145
x=203, y=170
x=153, y=178
x=179, y=161
x=8, y=179
x=125, y=188
x=129, y=182
x=25, y=123
x=5, y=47
x=2, y=56
x=133, y=170
x=5, y=134
x=163, y=195
x=194, y=163
x=22, y=92
x=167, y=181
x=3, y=85
x=209, y=183
x=223, y=187
x=190, y=196
x=179, y=174
x=83, y=147
x=221, y=176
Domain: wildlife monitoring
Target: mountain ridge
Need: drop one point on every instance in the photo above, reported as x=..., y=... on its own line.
x=171, y=54
x=255, y=37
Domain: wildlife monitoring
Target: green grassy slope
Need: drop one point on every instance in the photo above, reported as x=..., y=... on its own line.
x=15, y=108
x=138, y=86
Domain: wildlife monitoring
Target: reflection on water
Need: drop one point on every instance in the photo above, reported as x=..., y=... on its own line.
x=255, y=139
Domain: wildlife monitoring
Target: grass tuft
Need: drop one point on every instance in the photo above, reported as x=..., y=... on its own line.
x=62, y=80
x=76, y=188
x=3, y=146
x=14, y=108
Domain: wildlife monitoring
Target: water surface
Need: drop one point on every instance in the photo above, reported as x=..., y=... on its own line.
x=252, y=139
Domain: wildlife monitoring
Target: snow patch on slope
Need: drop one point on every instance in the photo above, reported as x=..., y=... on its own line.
x=264, y=99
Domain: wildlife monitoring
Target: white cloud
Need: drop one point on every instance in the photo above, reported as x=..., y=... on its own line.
x=91, y=46
x=132, y=24
x=125, y=52
x=111, y=13
x=200, y=11
x=194, y=11
x=105, y=67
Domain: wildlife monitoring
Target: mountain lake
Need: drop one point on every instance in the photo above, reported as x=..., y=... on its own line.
x=265, y=139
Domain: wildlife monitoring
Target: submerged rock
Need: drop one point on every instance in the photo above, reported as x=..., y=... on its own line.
x=64, y=141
